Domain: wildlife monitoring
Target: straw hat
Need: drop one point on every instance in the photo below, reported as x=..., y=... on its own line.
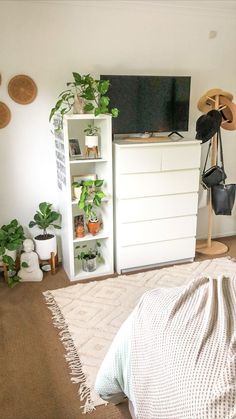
x=228, y=113
x=207, y=125
x=207, y=103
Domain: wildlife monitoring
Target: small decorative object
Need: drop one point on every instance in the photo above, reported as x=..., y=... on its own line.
x=45, y=217
x=74, y=148
x=5, y=115
x=79, y=225
x=86, y=91
x=22, y=89
x=91, y=140
x=77, y=183
x=29, y=263
x=89, y=256
x=11, y=239
x=90, y=198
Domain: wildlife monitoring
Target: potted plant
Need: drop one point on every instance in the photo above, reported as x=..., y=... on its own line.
x=11, y=240
x=46, y=243
x=77, y=189
x=91, y=137
x=89, y=256
x=90, y=198
x=87, y=93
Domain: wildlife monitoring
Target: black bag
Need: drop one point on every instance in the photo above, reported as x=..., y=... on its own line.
x=223, y=197
x=215, y=174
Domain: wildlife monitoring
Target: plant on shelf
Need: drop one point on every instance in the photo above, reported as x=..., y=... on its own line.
x=90, y=199
x=89, y=256
x=11, y=240
x=44, y=219
x=84, y=94
x=91, y=130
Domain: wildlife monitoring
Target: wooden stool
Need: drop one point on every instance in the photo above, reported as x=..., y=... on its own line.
x=53, y=261
x=91, y=149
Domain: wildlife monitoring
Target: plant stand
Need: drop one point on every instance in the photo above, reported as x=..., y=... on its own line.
x=53, y=261
x=4, y=269
x=93, y=150
x=211, y=247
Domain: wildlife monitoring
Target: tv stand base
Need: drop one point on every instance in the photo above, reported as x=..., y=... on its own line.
x=177, y=133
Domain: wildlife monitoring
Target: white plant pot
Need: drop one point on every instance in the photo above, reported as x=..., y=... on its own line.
x=44, y=248
x=11, y=253
x=77, y=192
x=91, y=141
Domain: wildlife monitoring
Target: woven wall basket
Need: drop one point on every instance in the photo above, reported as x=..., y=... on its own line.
x=5, y=115
x=22, y=89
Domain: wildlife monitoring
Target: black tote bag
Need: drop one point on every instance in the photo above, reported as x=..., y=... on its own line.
x=215, y=174
x=223, y=197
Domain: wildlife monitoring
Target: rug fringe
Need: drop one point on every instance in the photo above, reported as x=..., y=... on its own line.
x=71, y=356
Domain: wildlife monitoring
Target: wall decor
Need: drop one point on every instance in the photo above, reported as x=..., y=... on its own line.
x=5, y=115
x=22, y=89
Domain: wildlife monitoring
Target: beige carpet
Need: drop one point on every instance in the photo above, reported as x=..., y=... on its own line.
x=89, y=315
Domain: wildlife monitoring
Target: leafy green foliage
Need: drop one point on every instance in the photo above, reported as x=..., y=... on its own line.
x=11, y=238
x=91, y=130
x=45, y=218
x=87, y=253
x=91, y=197
x=91, y=90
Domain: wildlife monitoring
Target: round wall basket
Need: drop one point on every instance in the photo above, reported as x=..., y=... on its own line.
x=5, y=115
x=22, y=89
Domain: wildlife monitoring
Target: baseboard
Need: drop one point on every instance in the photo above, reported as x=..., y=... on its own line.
x=217, y=236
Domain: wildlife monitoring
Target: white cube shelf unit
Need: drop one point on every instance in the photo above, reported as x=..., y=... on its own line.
x=67, y=168
x=156, y=197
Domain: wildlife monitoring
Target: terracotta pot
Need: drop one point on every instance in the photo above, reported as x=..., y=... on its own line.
x=94, y=227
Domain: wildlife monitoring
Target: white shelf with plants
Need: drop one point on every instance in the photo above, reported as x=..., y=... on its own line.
x=77, y=162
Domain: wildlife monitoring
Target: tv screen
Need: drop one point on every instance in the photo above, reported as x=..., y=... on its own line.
x=149, y=103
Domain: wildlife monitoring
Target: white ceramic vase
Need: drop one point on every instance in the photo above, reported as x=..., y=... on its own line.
x=77, y=192
x=44, y=248
x=91, y=141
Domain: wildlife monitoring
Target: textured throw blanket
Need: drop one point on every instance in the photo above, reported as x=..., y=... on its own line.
x=183, y=346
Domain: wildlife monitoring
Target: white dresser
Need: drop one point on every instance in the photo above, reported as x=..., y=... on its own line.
x=156, y=198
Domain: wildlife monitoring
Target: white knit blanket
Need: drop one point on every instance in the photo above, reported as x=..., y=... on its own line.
x=183, y=350
x=88, y=316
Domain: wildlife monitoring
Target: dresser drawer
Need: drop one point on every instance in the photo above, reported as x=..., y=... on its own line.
x=157, y=230
x=138, y=160
x=153, y=184
x=154, y=207
x=154, y=253
x=181, y=157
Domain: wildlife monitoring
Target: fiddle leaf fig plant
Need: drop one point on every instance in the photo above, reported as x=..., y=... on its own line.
x=44, y=218
x=92, y=92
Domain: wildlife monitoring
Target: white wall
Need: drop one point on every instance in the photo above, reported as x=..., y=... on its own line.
x=49, y=39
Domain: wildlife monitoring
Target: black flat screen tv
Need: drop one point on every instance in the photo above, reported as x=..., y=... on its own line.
x=149, y=103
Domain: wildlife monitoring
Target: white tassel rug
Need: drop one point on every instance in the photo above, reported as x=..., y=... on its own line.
x=89, y=315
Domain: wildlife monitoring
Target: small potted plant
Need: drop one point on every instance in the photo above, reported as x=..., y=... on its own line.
x=11, y=240
x=91, y=198
x=46, y=243
x=86, y=94
x=89, y=256
x=91, y=137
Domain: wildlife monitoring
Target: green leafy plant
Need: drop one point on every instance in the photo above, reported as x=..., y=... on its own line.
x=86, y=252
x=44, y=218
x=91, y=130
x=11, y=238
x=92, y=91
x=91, y=198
